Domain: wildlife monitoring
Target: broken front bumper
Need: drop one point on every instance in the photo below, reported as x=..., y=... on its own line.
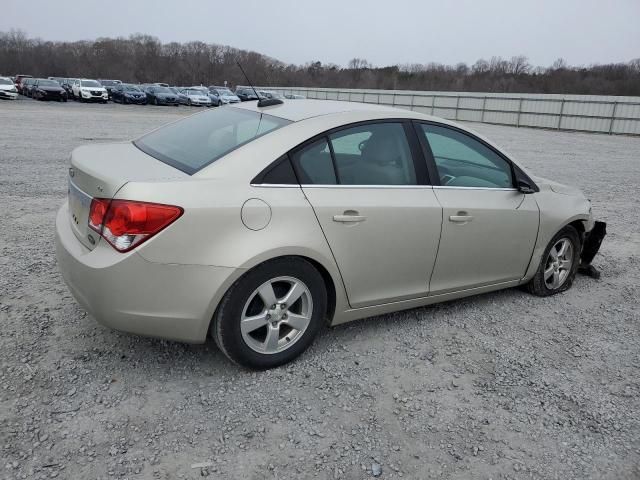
x=592, y=242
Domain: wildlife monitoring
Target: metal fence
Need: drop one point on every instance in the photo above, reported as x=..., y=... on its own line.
x=587, y=113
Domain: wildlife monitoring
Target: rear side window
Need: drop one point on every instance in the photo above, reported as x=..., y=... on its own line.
x=314, y=164
x=199, y=140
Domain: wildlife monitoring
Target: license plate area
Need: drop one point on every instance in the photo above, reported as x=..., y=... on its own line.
x=79, y=205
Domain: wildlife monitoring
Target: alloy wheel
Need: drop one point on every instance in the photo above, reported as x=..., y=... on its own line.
x=276, y=315
x=559, y=264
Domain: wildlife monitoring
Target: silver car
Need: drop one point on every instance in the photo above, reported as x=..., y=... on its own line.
x=258, y=226
x=196, y=97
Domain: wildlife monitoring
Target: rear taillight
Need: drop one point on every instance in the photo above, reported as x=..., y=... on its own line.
x=125, y=224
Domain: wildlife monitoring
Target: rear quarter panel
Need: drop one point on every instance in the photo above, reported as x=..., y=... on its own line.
x=211, y=230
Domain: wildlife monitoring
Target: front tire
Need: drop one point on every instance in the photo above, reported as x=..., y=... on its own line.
x=271, y=314
x=558, y=265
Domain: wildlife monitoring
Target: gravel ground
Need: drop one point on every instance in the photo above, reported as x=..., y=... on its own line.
x=502, y=386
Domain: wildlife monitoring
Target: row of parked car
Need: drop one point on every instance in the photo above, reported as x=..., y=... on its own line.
x=103, y=90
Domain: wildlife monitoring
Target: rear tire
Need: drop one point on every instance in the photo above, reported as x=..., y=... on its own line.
x=261, y=296
x=558, y=265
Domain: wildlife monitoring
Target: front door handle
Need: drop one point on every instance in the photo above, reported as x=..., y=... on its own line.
x=349, y=216
x=461, y=217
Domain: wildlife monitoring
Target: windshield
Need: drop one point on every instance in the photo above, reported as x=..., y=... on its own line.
x=199, y=140
x=161, y=90
x=5, y=81
x=48, y=83
x=89, y=83
x=131, y=88
x=225, y=92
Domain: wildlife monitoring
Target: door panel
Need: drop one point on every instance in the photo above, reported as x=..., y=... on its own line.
x=488, y=237
x=384, y=239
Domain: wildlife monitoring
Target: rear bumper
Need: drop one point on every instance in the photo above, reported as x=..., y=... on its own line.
x=128, y=293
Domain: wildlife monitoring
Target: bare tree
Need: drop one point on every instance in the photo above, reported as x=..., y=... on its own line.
x=143, y=58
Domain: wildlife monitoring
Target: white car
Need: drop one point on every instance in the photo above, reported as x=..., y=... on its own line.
x=87, y=90
x=7, y=89
x=258, y=223
x=196, y=97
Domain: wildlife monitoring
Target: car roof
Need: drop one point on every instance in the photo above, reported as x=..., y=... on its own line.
x=303, y=109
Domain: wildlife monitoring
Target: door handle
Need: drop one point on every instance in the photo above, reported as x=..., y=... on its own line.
x=349, y=216
x=461, y=217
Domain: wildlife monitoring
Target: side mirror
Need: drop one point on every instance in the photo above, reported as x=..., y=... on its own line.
x=524, y=187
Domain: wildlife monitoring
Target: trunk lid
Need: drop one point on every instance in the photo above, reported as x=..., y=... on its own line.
x=99, y=171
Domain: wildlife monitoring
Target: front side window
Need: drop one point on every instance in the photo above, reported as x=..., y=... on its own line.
x=463, y=161
x=199, y=140
x=373, y=154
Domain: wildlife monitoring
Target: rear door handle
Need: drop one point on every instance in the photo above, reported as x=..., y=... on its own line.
x=461, y=217
x=349, y=216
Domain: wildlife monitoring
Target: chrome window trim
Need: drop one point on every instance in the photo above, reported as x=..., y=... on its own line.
x=420, y=187
x=275, y=185
x=510, y=189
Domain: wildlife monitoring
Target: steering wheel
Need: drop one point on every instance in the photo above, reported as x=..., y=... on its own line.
x=445, y=175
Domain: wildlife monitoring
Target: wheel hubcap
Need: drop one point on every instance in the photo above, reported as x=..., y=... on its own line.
x=276, y=315
x=559, y=264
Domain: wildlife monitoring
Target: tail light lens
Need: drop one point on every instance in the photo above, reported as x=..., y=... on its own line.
x=125, y=224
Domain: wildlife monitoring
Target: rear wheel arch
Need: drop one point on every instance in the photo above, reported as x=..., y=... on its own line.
x=224, y=326
x=329, y=282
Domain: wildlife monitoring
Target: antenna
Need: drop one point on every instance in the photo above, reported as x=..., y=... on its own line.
x=262, y=102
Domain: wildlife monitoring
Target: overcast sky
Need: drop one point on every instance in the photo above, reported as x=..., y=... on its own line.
x=334, y=31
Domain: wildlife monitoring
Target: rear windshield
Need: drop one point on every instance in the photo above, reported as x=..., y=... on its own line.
x=199, y=140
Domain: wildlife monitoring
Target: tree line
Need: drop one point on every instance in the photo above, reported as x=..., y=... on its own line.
x=143, y=58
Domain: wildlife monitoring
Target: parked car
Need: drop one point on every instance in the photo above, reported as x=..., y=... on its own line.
x=65, y=83
x=8, y=89
x=292, y=96
x=182, y=98
x=223, y=96
x=246, y=94
x=157, y=95
x=199, y=227
x=196, y=97
x=160, y=84
x=271, y=94
x=19, y=82
x=205, y=91
x=109, y=84
x=27, y=86
x=45, y=89
x=87, y=90
x=127, y=93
